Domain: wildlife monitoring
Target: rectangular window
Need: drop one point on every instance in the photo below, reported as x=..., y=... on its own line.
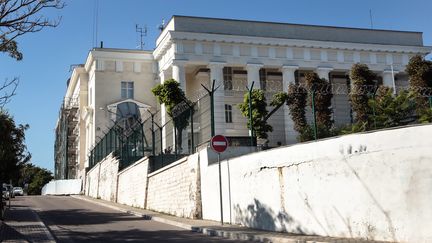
x=228, y=77
x=228, y=113
x=127, y=90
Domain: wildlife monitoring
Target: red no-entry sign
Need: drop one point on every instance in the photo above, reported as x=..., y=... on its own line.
x=219, y=143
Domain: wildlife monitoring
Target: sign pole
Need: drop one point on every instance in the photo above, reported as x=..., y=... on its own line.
x=220, y=188
x=219, y=144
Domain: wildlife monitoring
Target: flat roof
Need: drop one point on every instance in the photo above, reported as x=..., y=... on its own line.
x=294, y=31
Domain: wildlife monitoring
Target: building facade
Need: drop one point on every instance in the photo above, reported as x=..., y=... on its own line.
x=109, y=79
x=196, y=50
x=234, y=53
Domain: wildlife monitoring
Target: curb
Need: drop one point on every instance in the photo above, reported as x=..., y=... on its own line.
x=138, y=214
x=228, y=234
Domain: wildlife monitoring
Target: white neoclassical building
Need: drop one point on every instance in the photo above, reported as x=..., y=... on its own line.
x=195, y=50
x=97, y=91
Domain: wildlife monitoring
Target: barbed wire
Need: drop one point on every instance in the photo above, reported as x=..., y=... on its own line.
x=271, y=87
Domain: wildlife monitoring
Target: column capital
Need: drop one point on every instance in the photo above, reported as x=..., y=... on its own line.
x=389, y=71
x=254, y=66
x=179, y=62
x=290, y=68
x=216, y=64
x=328, y=69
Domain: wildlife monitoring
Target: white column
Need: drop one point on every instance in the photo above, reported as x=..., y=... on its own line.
x=388, y=79
x=253, y=75
x=323, y=72
x=179, y=74
x=288, y=77
x=163, y=114
x=216, y=73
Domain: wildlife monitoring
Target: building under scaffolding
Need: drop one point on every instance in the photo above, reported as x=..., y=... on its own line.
x=66, y=140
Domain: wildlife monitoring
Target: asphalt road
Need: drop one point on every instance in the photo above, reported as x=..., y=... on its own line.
x=74, y=220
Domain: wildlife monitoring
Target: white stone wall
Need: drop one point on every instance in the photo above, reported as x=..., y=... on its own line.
x=108, y=178
x=132, y=184
x=174, y=189
x=376, y=185
x=92, y=181
x=101, y=180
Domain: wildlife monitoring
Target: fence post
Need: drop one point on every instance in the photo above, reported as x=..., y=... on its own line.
x=250, y=115
x=161, y=142
x=175, y=137
x=211, y=94
x=373, y=107
x=192, y=130
x=313, y=112
x=430, y=102
x=153, y=135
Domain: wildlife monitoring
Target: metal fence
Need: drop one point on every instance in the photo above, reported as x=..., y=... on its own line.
x=129, y=144
x=165, y=139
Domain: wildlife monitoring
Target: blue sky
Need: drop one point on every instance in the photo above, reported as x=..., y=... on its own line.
x=48, y=54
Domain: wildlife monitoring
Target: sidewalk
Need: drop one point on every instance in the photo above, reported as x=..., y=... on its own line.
x=22, y=224
x=213, y=228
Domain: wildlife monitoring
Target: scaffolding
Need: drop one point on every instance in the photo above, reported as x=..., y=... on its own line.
x=66, y=140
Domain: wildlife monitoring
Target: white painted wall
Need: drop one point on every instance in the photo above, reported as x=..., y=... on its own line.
x=376, y=186
x=62, y=187
x=132, y=184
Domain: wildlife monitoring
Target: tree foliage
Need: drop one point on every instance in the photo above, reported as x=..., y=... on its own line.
x=13, y=151
x=420, y=77
x=259, y=113
x=7, y=90
x=363, y=81
x=323, y=97
x=392, y=110
x=170, y=94
x=35, y=177
x=296, y=101
x=18, y=17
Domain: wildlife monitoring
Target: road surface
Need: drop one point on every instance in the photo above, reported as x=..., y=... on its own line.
x=74, y=220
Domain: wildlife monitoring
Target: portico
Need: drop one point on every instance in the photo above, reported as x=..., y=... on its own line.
x=197, y=50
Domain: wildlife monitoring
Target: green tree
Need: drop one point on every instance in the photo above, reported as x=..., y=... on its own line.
x=176, y=103
x=35, y=177
x=18, y=18
x=420, y=77
x=323, y=97
x=259, y=113
x=296, y=101
x=13, y=151
x=363, y=82
x=392, y=110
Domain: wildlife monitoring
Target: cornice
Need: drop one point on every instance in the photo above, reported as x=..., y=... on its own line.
x=163, y=46
x=248, y=40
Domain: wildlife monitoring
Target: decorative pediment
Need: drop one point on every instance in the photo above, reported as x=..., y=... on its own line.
x=140, y=105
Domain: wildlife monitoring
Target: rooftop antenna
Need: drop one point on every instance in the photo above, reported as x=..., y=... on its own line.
x=143, y=32
x=370, y=16
x=95, y=23
x=161, y=27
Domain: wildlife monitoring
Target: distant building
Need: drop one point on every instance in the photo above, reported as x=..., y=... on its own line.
x=109, y=78
x=195, y=50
